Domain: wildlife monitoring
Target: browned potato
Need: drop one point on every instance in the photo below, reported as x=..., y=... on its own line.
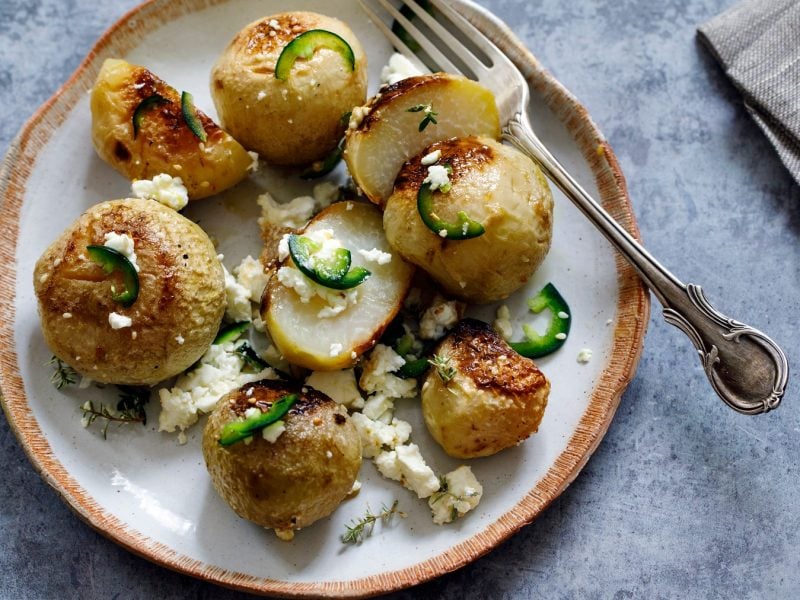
x=298, y=478
x=164, y=143
x=498, y=187
x=485, y=397
x=298, y=120
x=172, y=322
x=335, y=341
x=389, y=133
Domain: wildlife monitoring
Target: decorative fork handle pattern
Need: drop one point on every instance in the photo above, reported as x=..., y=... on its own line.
x=746, y=368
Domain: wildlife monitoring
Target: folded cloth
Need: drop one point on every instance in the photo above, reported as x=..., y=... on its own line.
x=757, y=42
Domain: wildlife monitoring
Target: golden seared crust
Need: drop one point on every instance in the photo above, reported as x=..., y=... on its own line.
x=175, y=317
x=298, y=479
x=496, y=186
x=164, y=143
x=299, y=120
x=495, y=400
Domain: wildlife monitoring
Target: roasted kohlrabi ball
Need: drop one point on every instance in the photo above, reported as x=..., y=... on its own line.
x=285, y=84
x=473, y=213
x=131, y=293
x=290, y=473
x=480, y=396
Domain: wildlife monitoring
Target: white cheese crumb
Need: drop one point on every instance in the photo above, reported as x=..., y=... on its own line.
x=355, y=489
x=406, y=465
x=335, y=349
x=562, y=315
x=377, y=436
x=438, y=318
x=584, y=356
x=377, y=256
x=336, y=300
x=328, y=454
x=431, y=158
x=357, y=115
x=67, y=315
x=561, y=336
x=338, y=385
x=122, y=243
x=325, y=193
x=163, y=188
x=179, y=338
x=502, y=323
x=250, y=275
x=376, y=374
x=398, y=68
x=253, y=166
x=438, y=178
x=273, y=431
x=460, y=494
x=443, y=233
x=238, y=299
x=294, y=214
x=118, y=321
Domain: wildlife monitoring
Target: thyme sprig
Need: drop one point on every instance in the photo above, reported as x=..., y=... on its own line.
x=444, y=369
x=444, y=491
x=429, y=115
x=63, y=375
x=362, y=528
x=129, y=409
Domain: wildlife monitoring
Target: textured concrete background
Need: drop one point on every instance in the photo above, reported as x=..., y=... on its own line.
x=684, y=498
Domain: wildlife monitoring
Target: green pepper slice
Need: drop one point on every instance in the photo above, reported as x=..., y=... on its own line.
x=463, y=229
x=143, y=107
x=111, y=260
x=231, y=332
x=239, y=430
x=190, y=116
x=334, y=273
x=537, y=345
x=413, y=368
x=324, y=166
x=304, y=46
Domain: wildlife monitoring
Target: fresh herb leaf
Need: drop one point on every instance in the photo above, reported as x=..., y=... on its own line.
x=103, y=412
x=362, y=528
x=444, y=369
x=429, y=115
x=63, y=375
x=132, y=400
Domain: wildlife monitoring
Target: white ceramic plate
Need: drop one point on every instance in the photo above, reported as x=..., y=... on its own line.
x=152, y=495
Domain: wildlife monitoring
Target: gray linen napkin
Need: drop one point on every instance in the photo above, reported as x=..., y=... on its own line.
x=757, y=42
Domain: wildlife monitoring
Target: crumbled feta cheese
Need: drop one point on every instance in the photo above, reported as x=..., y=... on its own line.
x=443, y=233
x=118, y=321
x=253, y=166
x=274, y=25
x=377, y=436
x=163, y=188
x=502, y=323
x=584, y=356
x=336, y=300
x=325, y=193
x=561, y=336
x=67, y=315
x=238, y=299
x=376, y=375
x=377, y=256
x=273, y=431
x=198, y=390
x=180, y=339
x=357, y=115
x=122, y=243
x=250, y=274
x=355, y=489
x=293, y=214
x=335, y=349
x=460, y=493
x=431, y=158
x=440, y=316
x=338, y=385
x=398, y=68
x=379, y=407
x=562, y=315
x=406, y=465
x=438, y=178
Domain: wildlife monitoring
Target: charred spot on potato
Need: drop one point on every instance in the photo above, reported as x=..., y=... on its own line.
x=121, y=151
x=339, y=418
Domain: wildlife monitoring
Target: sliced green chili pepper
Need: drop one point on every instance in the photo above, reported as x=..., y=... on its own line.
x=144, y=106
x=324, y=166
x=239, y=430
x=304, y=46
x=334, y=273
x=190, y=116
x=231, y=332
x=413, y=368
x=111, y=260
x=251, y=357
x=537, y=345
x=463, y=229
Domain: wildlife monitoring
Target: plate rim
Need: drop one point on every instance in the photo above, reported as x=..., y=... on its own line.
x=631, y=319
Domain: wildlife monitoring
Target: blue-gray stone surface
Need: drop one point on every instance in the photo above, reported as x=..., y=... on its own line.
x=683, y=498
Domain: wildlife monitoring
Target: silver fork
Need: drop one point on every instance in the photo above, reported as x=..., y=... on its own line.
x=746, y=368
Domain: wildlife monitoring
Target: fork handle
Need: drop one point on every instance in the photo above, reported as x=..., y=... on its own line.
x=746, y=368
